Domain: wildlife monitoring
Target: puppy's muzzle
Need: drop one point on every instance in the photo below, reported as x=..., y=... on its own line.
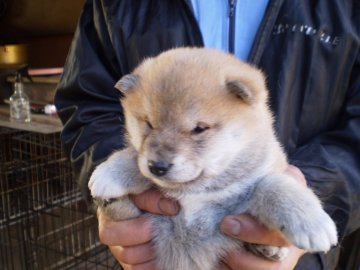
x=159, y=168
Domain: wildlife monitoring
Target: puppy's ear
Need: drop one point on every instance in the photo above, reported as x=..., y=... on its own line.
x=241, y=90
x=127, y=83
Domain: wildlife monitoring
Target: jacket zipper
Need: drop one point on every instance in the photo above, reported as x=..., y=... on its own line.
x=232, y=10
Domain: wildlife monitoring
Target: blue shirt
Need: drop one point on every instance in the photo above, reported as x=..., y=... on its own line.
x=213, y=19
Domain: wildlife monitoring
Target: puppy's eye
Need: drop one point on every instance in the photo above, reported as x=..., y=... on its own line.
x=200, y=128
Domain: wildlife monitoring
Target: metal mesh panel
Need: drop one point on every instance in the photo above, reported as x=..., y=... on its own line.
x=44, y=223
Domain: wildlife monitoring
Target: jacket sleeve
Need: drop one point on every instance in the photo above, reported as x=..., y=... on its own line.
x=112, y=38
x=331, y=162
x=87, y=102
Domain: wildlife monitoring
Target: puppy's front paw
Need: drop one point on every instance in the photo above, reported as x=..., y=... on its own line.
x=118, y=209
x=104, y=184
x=273, y=253
x=282, y=203
x=316, y=233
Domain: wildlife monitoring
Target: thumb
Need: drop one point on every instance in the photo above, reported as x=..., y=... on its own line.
x=247, y=229
x=153, y=201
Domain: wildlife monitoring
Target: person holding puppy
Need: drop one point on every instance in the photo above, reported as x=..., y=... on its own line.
x=310, y=55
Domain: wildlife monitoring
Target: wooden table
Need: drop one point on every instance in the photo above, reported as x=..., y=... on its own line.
x=40, y=123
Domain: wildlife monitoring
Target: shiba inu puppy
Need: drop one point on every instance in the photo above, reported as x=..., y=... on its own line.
x=200, y=130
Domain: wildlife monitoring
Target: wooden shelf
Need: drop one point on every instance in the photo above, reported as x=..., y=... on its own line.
x=39, y=123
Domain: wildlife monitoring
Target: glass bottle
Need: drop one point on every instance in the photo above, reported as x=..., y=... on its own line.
x=19, y=102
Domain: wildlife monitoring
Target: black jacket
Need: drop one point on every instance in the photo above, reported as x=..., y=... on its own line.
x=309, y=50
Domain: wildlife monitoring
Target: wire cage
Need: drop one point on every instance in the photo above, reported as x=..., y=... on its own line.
x=44, y=223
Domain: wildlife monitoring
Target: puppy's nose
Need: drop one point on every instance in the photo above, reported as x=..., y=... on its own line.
x=159, y=168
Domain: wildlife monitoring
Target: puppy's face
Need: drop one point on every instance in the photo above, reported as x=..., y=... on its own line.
x=190, y=112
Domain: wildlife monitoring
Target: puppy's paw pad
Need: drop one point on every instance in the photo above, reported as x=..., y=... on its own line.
x=103, y=203
x=273, y=253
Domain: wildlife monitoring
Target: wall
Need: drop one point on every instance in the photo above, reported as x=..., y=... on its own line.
x=47, y=26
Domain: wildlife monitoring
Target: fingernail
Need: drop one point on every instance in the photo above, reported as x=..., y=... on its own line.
x=169, y=206
x=231, y=226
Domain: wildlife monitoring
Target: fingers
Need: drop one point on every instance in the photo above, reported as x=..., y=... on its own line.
x=155, y=202
x=124, y=233
x=143, y=266
x=130, y=240
x=134, y=255
x=135, y=231
x=247, y=229
x=242, y=259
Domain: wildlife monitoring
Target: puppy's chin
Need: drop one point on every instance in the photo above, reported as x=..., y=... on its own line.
x=167, y=183
x=176, y=177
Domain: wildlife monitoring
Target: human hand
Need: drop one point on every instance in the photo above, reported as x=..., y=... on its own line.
x=130, y=240
x=247, y=229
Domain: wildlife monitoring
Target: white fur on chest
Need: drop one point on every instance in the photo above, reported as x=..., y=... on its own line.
x=193, y=205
